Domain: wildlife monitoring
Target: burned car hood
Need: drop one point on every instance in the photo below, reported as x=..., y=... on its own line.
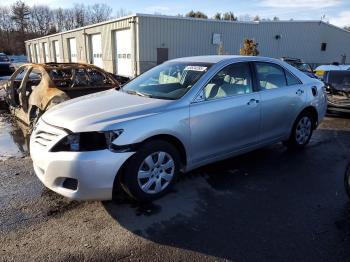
x=97, y=112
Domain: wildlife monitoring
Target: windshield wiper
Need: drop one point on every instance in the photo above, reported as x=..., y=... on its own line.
x=133, y=92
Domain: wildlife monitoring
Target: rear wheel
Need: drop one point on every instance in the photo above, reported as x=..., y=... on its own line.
x=151, y=171
x=302, y=131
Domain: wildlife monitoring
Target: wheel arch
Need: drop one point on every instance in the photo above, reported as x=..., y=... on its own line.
x=173, y=140
x=313, y=112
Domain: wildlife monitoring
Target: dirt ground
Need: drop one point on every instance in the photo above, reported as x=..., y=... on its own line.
x=268, y=205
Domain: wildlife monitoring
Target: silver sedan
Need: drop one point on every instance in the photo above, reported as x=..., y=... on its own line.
x=178, y=116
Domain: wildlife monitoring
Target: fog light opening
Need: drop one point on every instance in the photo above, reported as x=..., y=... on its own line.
x=70, y=183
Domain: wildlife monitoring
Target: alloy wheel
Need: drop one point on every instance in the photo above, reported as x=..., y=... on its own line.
x=303, y=130
x=156, y=172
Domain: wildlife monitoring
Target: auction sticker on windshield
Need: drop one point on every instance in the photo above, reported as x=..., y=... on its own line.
x=196, y=68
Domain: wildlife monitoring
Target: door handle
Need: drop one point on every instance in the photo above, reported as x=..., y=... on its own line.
x=299, y=92
x=252, y=101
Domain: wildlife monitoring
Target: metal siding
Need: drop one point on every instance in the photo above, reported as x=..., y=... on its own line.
x=82, y=52
x=188, y=37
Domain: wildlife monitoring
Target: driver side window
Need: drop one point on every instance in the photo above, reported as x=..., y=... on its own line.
x=233, y=80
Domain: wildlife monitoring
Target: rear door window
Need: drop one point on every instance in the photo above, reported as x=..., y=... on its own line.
x=270, y=76
x=232, y=80
x=291, y=79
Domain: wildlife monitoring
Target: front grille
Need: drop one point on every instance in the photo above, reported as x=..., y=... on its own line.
x=44, y=138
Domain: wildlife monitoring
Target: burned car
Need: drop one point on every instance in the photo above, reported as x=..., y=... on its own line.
x=35, y=88
x=338, y=90
x=300, y=65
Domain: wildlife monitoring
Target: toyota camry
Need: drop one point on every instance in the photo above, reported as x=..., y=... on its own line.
x=180, y=115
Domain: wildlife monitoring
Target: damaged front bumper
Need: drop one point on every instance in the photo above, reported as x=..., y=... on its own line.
x=76, y=175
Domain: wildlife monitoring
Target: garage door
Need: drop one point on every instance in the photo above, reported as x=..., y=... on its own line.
x=46, y=53
x=72, y=43
x=56, y=50
x=32, y=54
x=37, y=54
x=122, y=40
x=96, y=50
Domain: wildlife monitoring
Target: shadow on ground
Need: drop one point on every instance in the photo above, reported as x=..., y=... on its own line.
x=271, y=204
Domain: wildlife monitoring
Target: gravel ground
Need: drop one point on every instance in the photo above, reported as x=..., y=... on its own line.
x=268, y=205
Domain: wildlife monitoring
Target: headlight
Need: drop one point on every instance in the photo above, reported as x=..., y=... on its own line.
x=87, y=141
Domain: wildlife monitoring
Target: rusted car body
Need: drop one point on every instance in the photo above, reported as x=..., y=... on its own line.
x=35, y=88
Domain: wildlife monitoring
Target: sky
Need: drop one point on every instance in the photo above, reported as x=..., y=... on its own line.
x=337, y=12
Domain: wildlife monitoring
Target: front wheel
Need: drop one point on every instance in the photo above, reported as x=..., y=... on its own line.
x=151, y=171
x=302, y=131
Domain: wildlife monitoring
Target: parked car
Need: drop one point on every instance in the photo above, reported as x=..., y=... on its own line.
x=299, y=64
x=6, y=67
x=180, y=115
x=322, y=69
x=347, y=179
x=338, y=90
x=34, y=88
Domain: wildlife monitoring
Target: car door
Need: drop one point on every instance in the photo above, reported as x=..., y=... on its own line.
x=13, y=85
x=227, y=119
x=282, y=97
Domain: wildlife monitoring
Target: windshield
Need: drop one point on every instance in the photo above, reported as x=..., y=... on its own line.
x=4, y=58
x=167, y=81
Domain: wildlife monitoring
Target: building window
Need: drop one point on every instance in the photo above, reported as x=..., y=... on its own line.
x=323, y=46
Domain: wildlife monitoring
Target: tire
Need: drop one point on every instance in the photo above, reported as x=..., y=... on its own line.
x=347, y=180
x=301, y=132
x=144, y=177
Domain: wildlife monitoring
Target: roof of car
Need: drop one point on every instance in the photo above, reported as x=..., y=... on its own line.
x=213, y=59
x=54, y=65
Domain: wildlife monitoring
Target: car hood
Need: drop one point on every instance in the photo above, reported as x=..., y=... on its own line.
x=102, y=110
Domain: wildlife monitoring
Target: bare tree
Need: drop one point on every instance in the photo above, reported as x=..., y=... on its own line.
x=5, y=28
x=256, y=18
x=217, y=16
x=122, y=12
x=59, y=17
x=80, y=15
x=197, y=14
x=229, y=16
x=41, y=20
x=99, y=13
x=69, y=22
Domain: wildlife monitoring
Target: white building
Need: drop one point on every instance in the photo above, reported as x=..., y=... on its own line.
x=130, y=45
